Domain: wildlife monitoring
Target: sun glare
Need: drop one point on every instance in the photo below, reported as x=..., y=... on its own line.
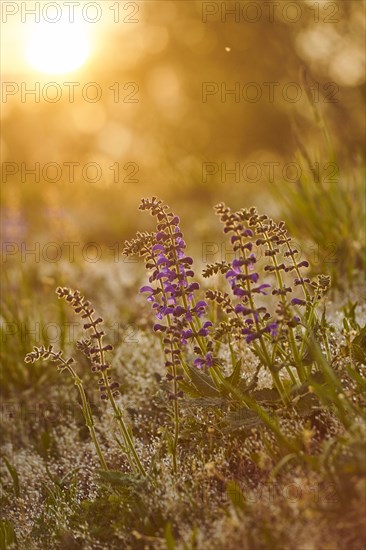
x=57, y=48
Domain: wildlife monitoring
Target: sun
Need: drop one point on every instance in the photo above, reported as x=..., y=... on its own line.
x=58, y=48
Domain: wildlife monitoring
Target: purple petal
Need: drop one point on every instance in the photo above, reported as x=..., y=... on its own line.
x=251, y=337
x=298, y=302
x=146, y=289
x=178, y=311
x=242, y=309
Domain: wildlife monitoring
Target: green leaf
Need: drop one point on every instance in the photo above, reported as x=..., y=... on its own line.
x=357, y=377
x=234, y=377
x=307, y=404
x=7, y=535
x=169, y=537
x=14, y=476
x=203, y=383
x=169, y=442
x=189, y=389
x=358, y=353
x=266, y=394
x=235, y=495
x=217, y=403
x=358, y=346
x=360, y=338
x=242, y=419
x=116, y=478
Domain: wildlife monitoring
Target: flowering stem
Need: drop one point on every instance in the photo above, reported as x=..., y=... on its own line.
x=117, y=411
x=215, y=373
x=88, y=416
x=275, y=376
x=295, y=351
x=174, y=382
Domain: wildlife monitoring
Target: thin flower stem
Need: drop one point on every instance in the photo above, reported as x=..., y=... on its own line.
x=215, y=373
x=88, y=416
x=295, y=351
x=175, y=387
x=276, y=379
x=118, y=413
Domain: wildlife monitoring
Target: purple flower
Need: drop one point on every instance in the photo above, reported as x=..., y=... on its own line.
x=200, y=308
x=206, y=361
x=237, y=264
x=259, y=289
x=298, y=302
x=252, y=336
x=240, y=292
x=178, y=311
x=160, y=328
x=242, y=309
x=254, y=277
x=272, y=328
x=204, y=330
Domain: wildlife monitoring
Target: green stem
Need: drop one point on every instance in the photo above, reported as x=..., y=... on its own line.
x=295, y=351
x=276, y=379
x=87, y=413
x=118, y=413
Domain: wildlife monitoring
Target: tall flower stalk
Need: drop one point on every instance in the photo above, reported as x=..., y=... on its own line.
x=172, y=295
x=95, y=350
x=262, y=311
x=276, y=338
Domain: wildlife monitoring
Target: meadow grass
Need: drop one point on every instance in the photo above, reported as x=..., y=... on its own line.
x=222, y=433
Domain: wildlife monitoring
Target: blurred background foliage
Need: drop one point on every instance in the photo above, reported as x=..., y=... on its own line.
x=170, y=132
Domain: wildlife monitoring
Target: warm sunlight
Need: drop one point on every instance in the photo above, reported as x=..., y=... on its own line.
x=57, y=48
x=183, y=259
